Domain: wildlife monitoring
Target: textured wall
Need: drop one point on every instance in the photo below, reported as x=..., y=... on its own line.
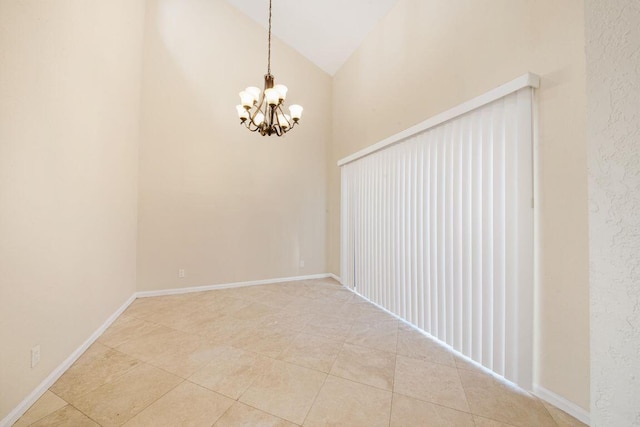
x=427, y=56
x=613, y=89
x=69, y=116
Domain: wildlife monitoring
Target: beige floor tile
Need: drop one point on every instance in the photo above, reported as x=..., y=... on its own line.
x=118, y=401
x=268, y=341
x=204, y=320
x=346, y=403
x=241, y=415
x=186, y=405
x=304, y=304
x=347, y=311
x=96, y=367
x=431, y=382
x=227, y=331
x=278, y=300
x=64, y=417
x=184, y=317
x=156, y=344
x=486, y=422
x=365, y=365
x=312, y=351
x=294, y=289
x=562, y=418
x=189, y=357
x=255, y=311
x=232, y=372
x=412, y=343
x=494, y=399
x=46, y=405
x=329, y=327
x=130, y=328
x=285, y=390
x=143, y=307
x=257, y=293
x=368, y=312
x=407, y=411
x=295, y=322
x=335, y=293
x=326, y=307
x=93, y=352
x=379, y=335
x=214, y=301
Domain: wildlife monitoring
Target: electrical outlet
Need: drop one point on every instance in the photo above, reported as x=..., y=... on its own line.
x=301, y=263
x=181, y=273
x=35, y=356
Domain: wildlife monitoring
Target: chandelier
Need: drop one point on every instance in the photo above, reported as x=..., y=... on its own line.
x=261, y=111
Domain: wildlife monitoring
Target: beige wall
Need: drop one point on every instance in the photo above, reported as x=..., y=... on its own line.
x=69, y=102
x=220, y=202
x=428, y=56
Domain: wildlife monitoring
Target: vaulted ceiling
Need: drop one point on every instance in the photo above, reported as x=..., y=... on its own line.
x=327, y=32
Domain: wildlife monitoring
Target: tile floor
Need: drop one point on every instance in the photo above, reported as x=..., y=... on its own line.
x=301, y=353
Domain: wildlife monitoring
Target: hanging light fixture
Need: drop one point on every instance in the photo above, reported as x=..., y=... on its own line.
x=261, y=111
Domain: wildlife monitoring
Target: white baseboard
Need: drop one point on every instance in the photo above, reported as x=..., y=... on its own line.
x=23, y=406
x=561, y=403
x=335, y=277
x=176, y=291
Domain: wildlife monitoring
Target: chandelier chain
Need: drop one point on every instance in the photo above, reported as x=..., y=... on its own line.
x=269, y=57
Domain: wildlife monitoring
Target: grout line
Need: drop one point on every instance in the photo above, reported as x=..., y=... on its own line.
x=86, y=415
x=160, y=397
x=464, y=389
x=44, y=416
x=439, y=404
x=261, y=410
x=225, y=412
x=315, y=399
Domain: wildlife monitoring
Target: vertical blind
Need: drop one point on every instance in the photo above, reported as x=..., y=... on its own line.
x=438, y=229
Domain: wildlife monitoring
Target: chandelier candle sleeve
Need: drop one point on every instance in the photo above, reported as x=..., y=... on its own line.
x=261, y=111
x=242, y=112
x=296, y=111
x=255, y=92
x=273, y=97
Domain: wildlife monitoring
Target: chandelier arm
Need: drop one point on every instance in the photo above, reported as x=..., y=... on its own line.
x=247, y=124
x=255, y=113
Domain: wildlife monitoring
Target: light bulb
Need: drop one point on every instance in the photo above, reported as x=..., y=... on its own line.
x=258, y=119
x=273, y=96
x=246, y=99
x=296, y=112
x=282, y=91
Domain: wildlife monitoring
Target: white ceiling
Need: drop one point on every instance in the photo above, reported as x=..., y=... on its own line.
x=327, y=32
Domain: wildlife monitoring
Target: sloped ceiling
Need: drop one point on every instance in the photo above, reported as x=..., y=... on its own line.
x=327, y=32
